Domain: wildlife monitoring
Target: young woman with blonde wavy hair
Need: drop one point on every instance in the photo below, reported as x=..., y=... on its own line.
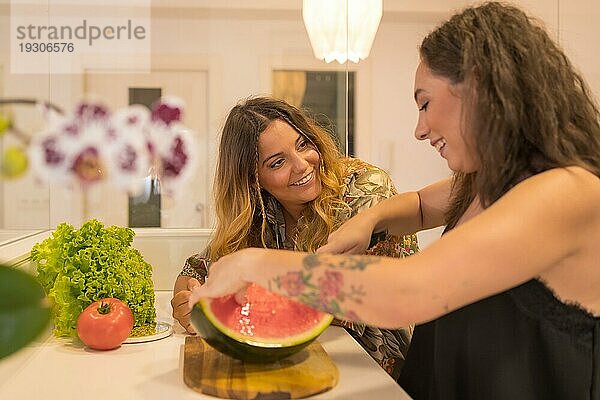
x=281, y=183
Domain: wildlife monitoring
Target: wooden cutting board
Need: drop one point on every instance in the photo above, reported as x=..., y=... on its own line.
x=303, y=374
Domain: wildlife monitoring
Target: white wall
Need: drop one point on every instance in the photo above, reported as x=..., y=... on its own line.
x=579, y=31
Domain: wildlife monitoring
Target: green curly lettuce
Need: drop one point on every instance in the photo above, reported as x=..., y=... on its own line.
x=78, y=267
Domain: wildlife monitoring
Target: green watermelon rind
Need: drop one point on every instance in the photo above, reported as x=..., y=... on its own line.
x=243, y=348
x=264, y=342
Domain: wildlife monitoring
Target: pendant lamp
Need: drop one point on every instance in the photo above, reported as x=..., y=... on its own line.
x=341, y=29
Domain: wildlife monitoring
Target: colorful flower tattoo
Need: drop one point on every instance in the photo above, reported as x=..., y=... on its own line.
x=326, y=291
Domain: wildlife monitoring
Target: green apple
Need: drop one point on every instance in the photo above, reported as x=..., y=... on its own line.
x=4, y=124
x=13, y=163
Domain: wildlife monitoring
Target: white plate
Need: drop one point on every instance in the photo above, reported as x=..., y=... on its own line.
x=163, y=330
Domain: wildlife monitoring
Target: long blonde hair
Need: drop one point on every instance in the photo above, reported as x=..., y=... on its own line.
x=239, y=200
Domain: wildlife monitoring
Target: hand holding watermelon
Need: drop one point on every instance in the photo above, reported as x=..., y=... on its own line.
x=245, y=320
x=264, y=328
x=181, y=305
x=227, y=276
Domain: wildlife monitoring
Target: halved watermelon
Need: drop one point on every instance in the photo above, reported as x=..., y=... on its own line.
x=267, y=328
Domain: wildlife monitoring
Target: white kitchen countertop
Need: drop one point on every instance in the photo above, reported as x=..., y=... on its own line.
x=52, y=368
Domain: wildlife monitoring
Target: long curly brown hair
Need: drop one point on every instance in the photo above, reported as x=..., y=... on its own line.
x=239, y=200
x=530, y=112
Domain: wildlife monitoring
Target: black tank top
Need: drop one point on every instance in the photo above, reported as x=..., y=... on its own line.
x=523, y=343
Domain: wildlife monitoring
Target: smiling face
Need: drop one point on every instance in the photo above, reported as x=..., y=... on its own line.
x=288, y=166
x=440, y=119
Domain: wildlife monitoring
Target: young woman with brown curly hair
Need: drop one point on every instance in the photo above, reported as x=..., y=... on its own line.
x=506, y=301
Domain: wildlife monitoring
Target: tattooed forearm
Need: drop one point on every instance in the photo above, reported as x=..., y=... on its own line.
x=326, y=292
x=340, y=262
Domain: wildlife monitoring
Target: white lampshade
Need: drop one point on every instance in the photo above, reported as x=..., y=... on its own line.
x=341, y=29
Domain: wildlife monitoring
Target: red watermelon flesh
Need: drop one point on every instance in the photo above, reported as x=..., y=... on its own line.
x=265, y=315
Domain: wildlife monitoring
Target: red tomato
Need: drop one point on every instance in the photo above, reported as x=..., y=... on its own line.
x=105, y=324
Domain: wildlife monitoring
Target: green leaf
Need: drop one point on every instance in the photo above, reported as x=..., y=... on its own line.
x=24, y=310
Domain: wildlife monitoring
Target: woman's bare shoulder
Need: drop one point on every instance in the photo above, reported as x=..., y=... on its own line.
x=575, y=278
x=568, y=175
x=574, y=185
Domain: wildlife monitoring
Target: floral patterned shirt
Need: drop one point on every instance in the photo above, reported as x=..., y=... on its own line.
x=365, y=186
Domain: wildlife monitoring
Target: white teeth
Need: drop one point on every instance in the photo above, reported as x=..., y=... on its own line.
x=303, y=180
x=439, y=144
